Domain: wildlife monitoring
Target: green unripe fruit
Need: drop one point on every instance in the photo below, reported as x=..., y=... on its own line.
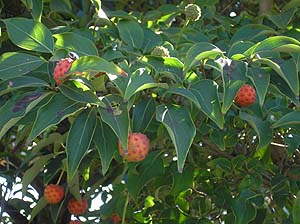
x=192, y=12
x=160, y=51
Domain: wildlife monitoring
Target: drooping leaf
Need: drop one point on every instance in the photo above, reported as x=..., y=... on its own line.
x=151, y=39
x=283, y=19
x=180, y=127
x=58, y=108
x=79, y=139
x=140, y=80
x=234, y=76
x=261, y=80
x=243, y=211
x=14, y=64
x=40, y=205
x=15, y=109
x=37, y=10
x=149, y=168
x=106, y=143
x=143, y=114
x=29, y=34
x=288, y=119
x=198, y=52
x=206, y=92
x=20, y=82
x=76, y=43
x=96, y=64
x=263, y=130
x=78, y=91
x=34, y=170
x=183, y=181
x=131, y=33
x=252, y=32
x=116, y=116
x=61, y=6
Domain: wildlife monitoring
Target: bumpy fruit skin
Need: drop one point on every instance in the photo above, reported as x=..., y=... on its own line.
x=77, y=207
x=53, y=193
x=74, y=222
x=192, y=12
x=246, y=96
x=160, y=51
x=138, y=147
x=60, y=70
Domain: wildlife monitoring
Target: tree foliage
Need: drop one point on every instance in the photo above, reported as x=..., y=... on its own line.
x=143, y=66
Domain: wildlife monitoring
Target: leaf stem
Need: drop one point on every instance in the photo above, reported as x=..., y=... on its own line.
x=125, y=208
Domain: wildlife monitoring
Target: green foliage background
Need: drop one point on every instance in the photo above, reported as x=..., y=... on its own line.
x=210, y=160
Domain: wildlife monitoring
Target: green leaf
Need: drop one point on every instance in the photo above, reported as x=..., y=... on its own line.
x=34, y=170
x=76, y=43
x=234, y=76
x=243, y=211
x=151, y=40
x=275, y=44
x=37, y=10
x=40, y=205
x=288, y=119
x=96, y=64
x=15, y=109
x=116, y=116
x=296, y=209
x=198, y=52
x=206, y=92
x=143, y=114
x=286, y=69
x=21, y=82
x=61, y=6
x=263, y=130
x=252, y=32
x=79, y=139
x=183, y=181
x=261, y=80
x=78, y=91
x=58, y=108
x=164, y=64
x=106, y=143
x=131, y=33
x=238, y=48
x=186, y=93
x=283, y=19
x=141, y=80
x=29, y=34
x=14, y=64
x=180, y=127
x=148, y=169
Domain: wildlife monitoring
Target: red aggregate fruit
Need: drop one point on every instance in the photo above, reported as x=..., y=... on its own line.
x=61, y=68
x=77, y=207
x=246, y=96
x=138, y=147
x=53, y=193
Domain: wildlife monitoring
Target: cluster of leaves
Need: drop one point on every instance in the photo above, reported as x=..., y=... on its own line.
x=210, y=160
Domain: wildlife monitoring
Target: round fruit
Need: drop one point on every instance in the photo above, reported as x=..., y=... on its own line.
x=138, y=147
x=60, y=69
x=192, y=12
x=160, y=51
x=77, y=207
x=53, y=193
x=246, y=96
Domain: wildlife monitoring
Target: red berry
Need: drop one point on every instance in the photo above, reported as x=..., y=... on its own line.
x=77, y=207
x=115, y=218
x=138, y=147
x=246, y=96
x=60, y=69
x=74, y=222
x=53, y=193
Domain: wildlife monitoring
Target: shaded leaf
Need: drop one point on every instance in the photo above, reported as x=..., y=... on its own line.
x=79, y=139
x=40, y=205
x=283, y=19
x=29, y=34
x=116, y=116
x=288, y=119
x=143, y=114
x=131, y=33
x=106, y=143
x=58, y=108
x=148, y=169
x=296, y=209
x=180, y=127
x=14, y=64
